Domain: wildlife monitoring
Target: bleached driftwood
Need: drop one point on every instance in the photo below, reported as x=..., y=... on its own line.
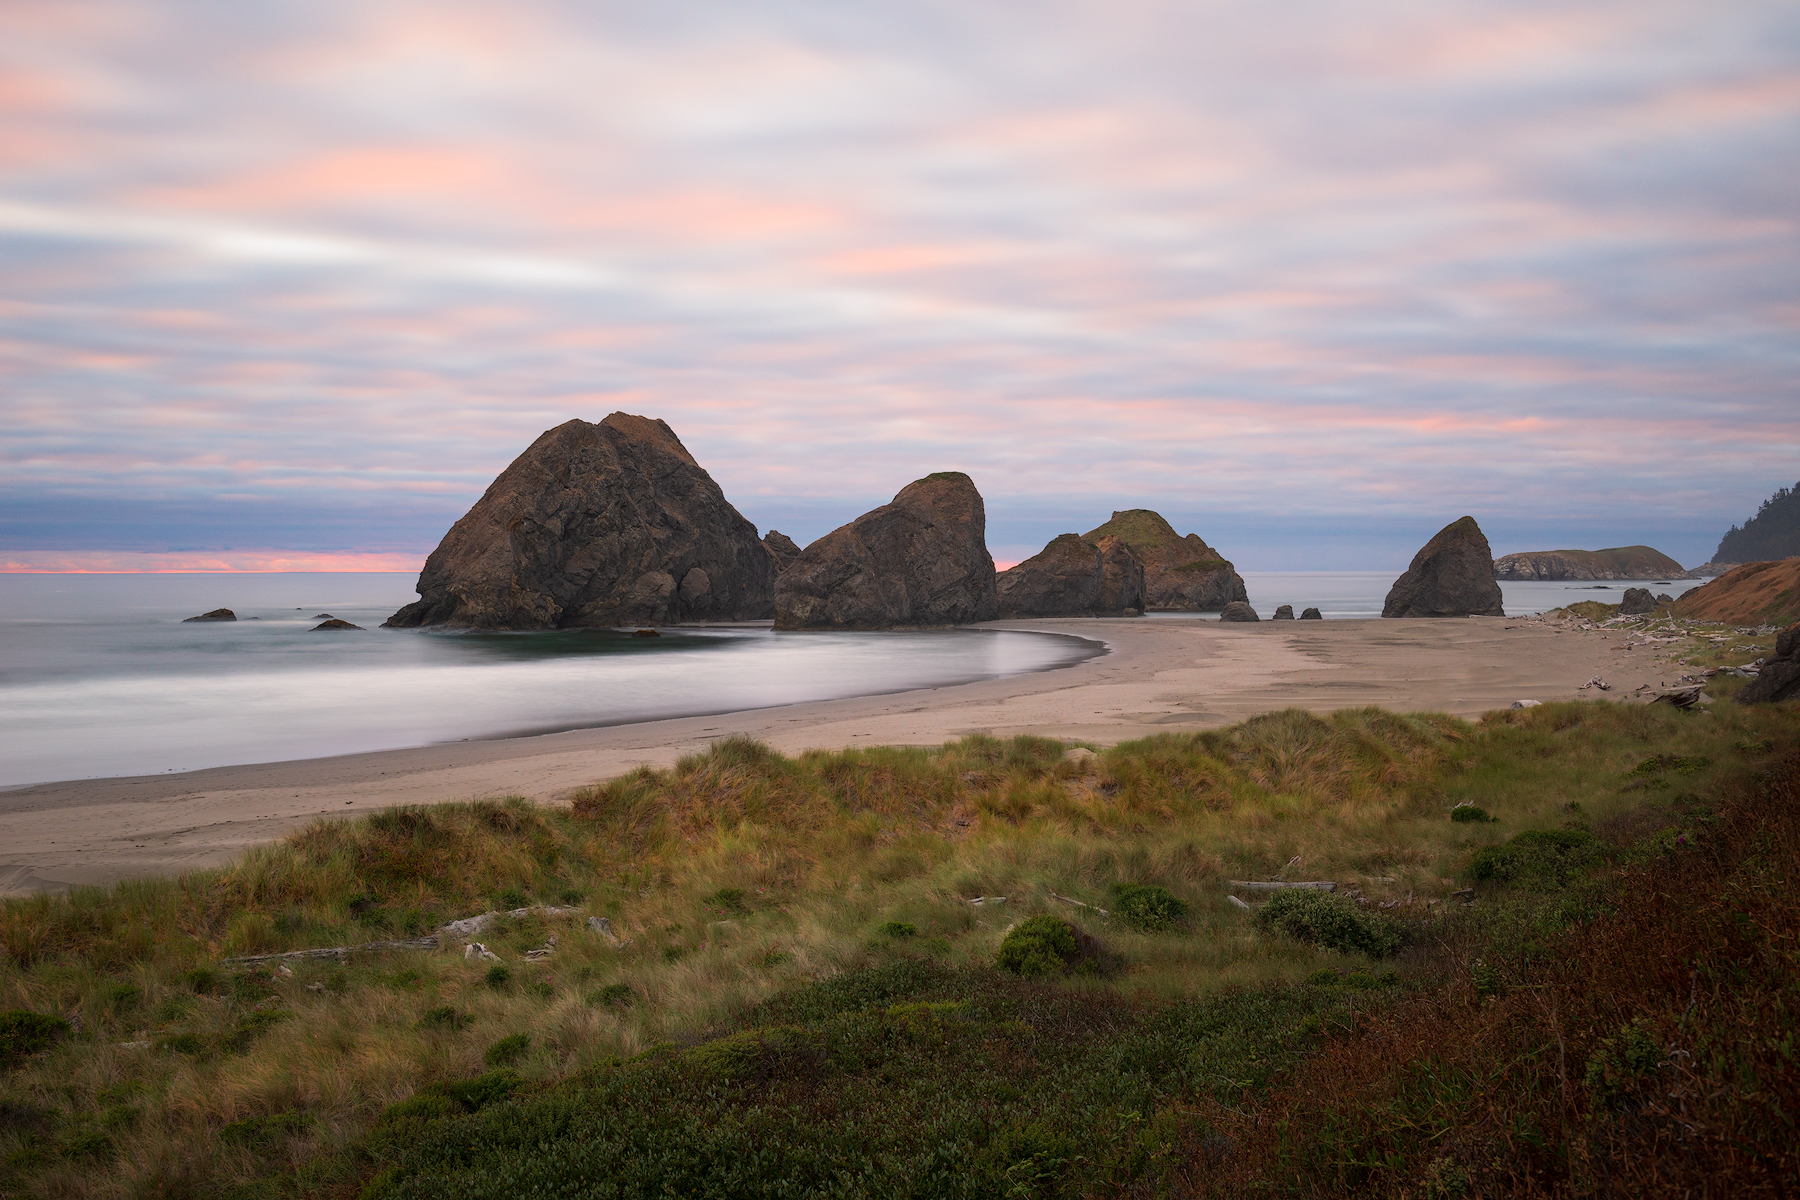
x=424, y=943
x=467, y=927
x=1080, y=903
x=1254, y=885
x=1238, y=903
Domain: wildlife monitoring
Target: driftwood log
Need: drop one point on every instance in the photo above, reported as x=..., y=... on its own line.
x=1250, y=885
x=467, y=927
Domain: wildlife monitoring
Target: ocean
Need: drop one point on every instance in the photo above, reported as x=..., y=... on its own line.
x=101, y=676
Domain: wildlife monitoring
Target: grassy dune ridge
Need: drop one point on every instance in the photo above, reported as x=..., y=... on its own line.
x=825, y=898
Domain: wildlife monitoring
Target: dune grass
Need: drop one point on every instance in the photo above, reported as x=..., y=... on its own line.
x=742, y=882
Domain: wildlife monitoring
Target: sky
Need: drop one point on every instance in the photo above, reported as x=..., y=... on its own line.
x=285, y=285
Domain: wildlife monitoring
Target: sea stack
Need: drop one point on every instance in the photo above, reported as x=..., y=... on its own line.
x=597, y=524
x=782, y=548
x=920, y=560
x=1073, y=577
x=217, y=614
x=1181, y=574
x=1451, y=576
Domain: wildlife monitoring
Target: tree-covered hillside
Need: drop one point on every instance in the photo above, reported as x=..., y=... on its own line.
x=1774, y=532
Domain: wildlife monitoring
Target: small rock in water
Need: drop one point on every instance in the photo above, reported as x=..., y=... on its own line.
x=217, y=614
x=1239, y=610
x=1284, y=613
x=1311, y=614
x=321, y=616
x=334, y=623
x=646, y=633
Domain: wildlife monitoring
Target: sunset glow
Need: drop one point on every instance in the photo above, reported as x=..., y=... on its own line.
x=307, y=276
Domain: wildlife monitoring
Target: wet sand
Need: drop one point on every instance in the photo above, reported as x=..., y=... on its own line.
x=1159, y=676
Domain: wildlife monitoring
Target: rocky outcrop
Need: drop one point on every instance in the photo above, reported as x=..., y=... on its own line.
x=1181, y=574
x=597, y=524
x=1284, y=612
x=1637, y=602
x=1451, y=576
x=781, y=547
x=334, y=623
x=217, y=614
x=1311, y=614
x=1779, y=678
x=1239, y=610
x=1620, y=562
x=1073, y=577
x=920, y=560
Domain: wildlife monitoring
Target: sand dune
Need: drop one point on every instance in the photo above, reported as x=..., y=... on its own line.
x=1159, y=676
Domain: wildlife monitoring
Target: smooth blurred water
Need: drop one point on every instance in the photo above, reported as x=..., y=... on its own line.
x=99, y=674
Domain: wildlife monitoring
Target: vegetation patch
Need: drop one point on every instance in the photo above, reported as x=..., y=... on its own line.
x=1149, y=907
x=23, y=1033
x=804, y=1043
x=1310, y=915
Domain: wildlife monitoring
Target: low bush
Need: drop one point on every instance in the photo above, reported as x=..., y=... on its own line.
x=1310, y=915
x=1465, y=814
x=443, y=1017
x=614, y=995
x=508, y=1050
x=257, y=1131
x=1148, y=906
x=1545, y=857
x=498, y=976
x=899, y=930
x=24, y=1033
x=1040, y=946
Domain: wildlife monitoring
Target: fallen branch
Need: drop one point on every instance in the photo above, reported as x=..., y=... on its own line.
x=1249, y=885
x=467, y=927
x=424, y=943
x=1067, y=900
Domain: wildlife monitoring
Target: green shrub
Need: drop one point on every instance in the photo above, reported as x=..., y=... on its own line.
x=443, y=1017
x=481, y=1091
x=423, y=1106
x=204, y=980
x=507, y=1050
x=1543, y=856
x=513, y=898
x=1310, y=915
x=614, y=995
x=23, y=1033
x=900, y=930
x=1042, y=945
x=1148, y=906
x=729, y=900
x=253, y=1131
x=1623, y=1063
x=1464, y=814
x=498, y=976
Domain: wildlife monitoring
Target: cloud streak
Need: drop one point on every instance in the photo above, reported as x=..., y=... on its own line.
x=1407, y=261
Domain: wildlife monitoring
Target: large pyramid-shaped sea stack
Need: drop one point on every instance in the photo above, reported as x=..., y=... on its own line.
x=1181, y=574
x=1452, y=575
x=920, y=560
x=607, y=524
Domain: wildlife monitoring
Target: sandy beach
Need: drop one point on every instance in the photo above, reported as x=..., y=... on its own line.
x=1158, y=676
